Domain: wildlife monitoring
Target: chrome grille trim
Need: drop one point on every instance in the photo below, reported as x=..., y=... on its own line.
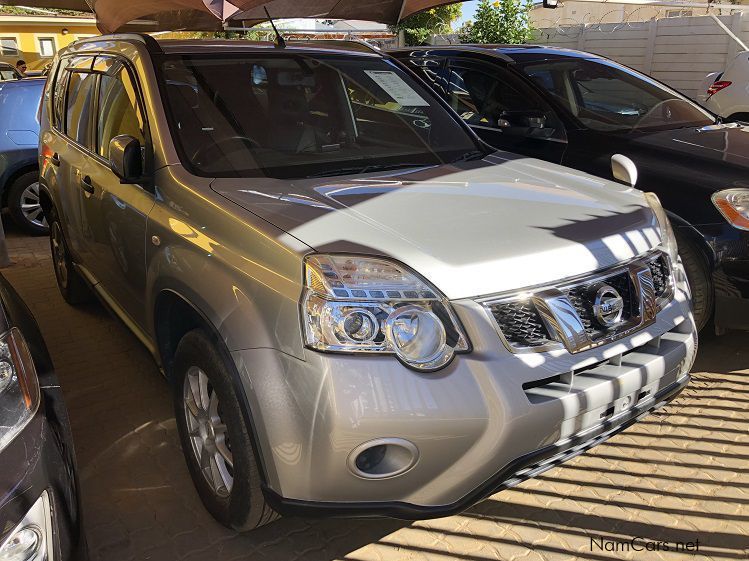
x=559, y=316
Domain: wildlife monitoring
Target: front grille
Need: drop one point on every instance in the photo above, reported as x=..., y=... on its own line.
x=523, y=327
x=661, y=272
x=521, y=323
x=582, y=296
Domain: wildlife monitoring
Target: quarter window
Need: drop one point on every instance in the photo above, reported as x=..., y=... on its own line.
x=119, y=112
x=8, y=46
x=79, y=104
x=58, y=94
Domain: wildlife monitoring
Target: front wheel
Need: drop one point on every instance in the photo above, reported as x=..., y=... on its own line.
x=214, y=436
x=700, y=281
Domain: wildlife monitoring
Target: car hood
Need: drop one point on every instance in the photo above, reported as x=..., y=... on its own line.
x=727, y=143
x=472, y=229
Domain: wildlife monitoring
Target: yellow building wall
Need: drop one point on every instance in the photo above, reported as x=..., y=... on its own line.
x=27, y=37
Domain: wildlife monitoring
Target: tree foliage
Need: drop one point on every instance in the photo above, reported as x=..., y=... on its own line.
x=419, y=28
x=22, y=11
x=498, y=21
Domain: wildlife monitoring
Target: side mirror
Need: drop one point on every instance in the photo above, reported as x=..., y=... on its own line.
x=126, y=158
x=624, y=169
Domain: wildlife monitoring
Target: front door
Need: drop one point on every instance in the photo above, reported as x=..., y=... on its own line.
x=504, y=111
x=116, y=214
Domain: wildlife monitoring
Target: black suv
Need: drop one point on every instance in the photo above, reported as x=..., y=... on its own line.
x=579, y=109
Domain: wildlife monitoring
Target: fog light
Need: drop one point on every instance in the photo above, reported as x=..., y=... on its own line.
x=383, y=458
x=23, y=545
x=371, y=458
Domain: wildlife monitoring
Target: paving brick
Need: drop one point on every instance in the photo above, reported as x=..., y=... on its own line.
x=679, y=476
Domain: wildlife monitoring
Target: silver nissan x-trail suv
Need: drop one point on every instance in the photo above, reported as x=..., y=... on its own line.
x=361, y=308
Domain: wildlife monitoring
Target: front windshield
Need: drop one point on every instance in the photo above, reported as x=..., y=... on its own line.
x=605, y=96
x=290, y=115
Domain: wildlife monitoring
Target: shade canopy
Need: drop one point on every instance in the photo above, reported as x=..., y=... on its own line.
x=209, y=15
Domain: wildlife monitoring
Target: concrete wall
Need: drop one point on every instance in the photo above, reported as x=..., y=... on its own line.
x=677, y=51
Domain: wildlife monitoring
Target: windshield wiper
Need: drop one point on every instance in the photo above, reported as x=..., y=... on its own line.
x=365, y=169
x=470, y=156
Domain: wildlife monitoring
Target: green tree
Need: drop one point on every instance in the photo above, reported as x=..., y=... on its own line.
x=499, y=21
x=419, y=28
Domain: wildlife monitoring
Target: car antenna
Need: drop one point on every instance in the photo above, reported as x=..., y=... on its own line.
x=280, y=41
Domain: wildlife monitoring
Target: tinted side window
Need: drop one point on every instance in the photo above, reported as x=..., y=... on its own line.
x=119, y=111
x=79, y=106
x=499, y=100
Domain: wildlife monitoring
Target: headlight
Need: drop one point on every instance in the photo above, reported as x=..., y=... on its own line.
x=19, y=386
x=733, y=204
x=668, y=240
x=356, y=304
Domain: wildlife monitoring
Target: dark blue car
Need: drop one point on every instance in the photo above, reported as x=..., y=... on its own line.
x=19, y=145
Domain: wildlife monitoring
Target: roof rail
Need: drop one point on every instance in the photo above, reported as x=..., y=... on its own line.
x=151, y=44
x=352, y=44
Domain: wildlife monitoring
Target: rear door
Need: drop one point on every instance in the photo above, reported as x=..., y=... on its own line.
x=62, y=154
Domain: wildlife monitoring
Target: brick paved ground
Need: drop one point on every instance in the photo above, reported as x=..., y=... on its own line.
x=680, y=475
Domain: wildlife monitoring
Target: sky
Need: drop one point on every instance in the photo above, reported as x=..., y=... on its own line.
x=468, y=9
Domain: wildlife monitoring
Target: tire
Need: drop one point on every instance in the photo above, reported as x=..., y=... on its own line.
x=700, y=280
x=24, y=205
x=229, y=481
x=73, y=288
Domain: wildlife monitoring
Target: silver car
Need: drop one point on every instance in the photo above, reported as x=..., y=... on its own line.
x=361, y=308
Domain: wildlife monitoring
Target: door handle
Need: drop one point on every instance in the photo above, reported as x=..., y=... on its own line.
x=55, y=160
x=86, y=185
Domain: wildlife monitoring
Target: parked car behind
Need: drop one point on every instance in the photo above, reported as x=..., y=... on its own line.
x=579, y=109
x=19, y=158
x=362, y=309
x=39, y=506
x=726, y=93
x=8, y=72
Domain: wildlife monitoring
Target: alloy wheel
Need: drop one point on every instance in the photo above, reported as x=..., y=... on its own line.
x=207, y=432
x=31, y=207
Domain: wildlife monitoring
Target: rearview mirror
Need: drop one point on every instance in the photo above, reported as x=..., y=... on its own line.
x=624, y=169
x=126, y=159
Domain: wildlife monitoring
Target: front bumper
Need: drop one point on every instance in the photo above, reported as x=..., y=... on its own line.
x=486, y=422
x=39, y=460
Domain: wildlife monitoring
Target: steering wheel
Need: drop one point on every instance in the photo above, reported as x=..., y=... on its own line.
x=205, y=150
x=667, y=111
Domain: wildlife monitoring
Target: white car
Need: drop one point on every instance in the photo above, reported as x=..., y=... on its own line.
x=727, y=93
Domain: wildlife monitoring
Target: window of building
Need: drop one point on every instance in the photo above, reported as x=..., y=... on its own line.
x=8, y=46
x=47, y=47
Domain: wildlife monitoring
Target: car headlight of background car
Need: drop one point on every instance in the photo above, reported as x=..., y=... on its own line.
x=19, y=386
x=358, y=304
x=668, y=239
x=733, y=204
